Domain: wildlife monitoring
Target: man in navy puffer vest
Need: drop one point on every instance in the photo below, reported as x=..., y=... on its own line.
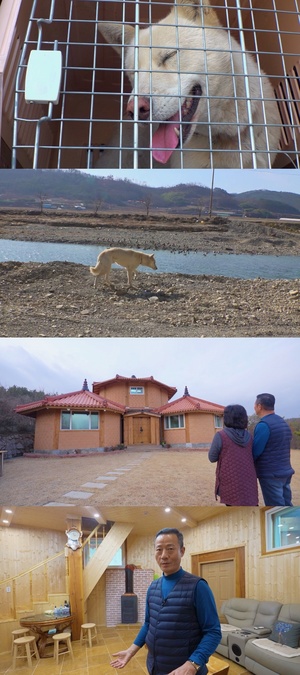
x=271, y=452
x=181, y=628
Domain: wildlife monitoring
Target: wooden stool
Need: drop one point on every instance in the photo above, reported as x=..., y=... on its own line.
x=88, y=632
x=62, y=637
x=19, y=632
x=27, y=642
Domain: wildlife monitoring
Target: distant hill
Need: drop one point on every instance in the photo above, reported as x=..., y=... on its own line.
x=76, y=189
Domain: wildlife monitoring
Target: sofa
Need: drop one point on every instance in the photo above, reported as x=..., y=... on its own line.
x=268, y=634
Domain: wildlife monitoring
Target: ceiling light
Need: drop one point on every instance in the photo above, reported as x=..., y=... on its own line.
x=183, y=520
x=8, y=510
x=5, y=521
x=167, y=509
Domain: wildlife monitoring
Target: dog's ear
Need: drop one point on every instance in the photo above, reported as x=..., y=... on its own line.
x=198, y=11
x=116, y=34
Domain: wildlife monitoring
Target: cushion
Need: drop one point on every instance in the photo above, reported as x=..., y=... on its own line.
x=286, y=633
x=282, y=650
x=227, y=627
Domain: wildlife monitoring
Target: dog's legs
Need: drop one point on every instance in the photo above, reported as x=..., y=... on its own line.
x=107, y=275
x=131, y=274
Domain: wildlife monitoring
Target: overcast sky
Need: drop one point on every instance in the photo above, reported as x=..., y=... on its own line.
x=231, y=180
x=221, y=370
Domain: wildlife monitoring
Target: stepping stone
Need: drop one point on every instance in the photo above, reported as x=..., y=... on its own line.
x=76, y=494
x=116, y=473
x=95, y=485
x=106, y=477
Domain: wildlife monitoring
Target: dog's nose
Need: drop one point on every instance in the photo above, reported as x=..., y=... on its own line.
x=143, y=107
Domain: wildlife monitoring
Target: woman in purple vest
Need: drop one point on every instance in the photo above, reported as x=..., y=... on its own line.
x=236, y=481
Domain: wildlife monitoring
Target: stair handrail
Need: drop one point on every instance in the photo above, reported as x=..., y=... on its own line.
x=32, y=569
x=92, y=534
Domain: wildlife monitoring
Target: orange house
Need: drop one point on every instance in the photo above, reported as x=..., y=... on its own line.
x=122, y=410
x=191, y=421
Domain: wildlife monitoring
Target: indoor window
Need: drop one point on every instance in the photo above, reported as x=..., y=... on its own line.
x=90, y=550
x=79, y=420
x=174, y=422
x=282, y=528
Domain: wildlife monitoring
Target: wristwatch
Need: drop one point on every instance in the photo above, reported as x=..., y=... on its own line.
x=196, y=665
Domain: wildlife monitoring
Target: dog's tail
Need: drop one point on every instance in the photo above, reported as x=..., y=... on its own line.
x=95, y=270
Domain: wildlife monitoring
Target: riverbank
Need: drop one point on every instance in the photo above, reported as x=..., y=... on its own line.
x=172, y=233
x=58, y=299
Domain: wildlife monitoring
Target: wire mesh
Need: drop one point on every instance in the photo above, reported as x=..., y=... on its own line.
x=215, y=87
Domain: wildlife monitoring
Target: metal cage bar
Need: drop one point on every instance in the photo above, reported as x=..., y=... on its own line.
x=229, y=117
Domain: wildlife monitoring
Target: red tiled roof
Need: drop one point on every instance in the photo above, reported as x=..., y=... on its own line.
x=75, y=399
x=190, y=404
x=135, y=380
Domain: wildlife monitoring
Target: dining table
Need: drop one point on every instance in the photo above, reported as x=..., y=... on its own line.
x=43, y=626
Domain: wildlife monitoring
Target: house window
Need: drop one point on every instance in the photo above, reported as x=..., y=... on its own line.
x=136, y=390
x=282, y=528
x=174, y=422
x=218, y=421
x=79, y=420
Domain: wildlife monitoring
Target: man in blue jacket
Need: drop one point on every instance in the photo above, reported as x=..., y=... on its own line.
x=181, y=628
x=271, y=452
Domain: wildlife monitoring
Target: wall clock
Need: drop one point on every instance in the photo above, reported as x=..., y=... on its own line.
x=74, y=538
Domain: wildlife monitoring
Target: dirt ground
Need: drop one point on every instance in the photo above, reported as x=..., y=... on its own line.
x=58, y=299
x=152, y=478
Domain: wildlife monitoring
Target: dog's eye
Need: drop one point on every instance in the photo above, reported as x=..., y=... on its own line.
x=168, y=56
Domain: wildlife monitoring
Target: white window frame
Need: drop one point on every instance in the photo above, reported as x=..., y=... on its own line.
x=277, y=534
x=89, y=414
x=218, y=422
x=181, y=420
x=136, y=393
x=118, y=561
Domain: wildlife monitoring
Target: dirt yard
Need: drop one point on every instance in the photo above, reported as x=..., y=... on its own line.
x=168, y=477
x=58, y=299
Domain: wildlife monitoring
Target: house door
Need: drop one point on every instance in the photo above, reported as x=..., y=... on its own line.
x=141, y=430
x=221, y=578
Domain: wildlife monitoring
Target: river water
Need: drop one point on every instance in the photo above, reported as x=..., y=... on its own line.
x=219, y=264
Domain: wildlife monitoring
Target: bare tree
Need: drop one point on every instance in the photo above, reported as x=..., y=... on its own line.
x=97, y=205
x=42, y=198
x=147, y=201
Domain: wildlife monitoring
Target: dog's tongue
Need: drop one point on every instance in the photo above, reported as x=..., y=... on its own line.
x=165, y=137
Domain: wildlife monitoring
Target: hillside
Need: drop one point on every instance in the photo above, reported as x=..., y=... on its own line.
x=76, y=189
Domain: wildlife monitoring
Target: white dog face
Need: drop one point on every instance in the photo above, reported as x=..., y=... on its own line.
x=187, y=76
x=178, y=84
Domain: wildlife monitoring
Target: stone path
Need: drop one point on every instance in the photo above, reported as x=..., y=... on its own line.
x=102, y=482
x=153, y=478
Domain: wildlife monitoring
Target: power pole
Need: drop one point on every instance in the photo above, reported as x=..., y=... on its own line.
x=211, y=193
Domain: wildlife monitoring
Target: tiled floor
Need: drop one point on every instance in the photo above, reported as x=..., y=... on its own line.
x=95, y=660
